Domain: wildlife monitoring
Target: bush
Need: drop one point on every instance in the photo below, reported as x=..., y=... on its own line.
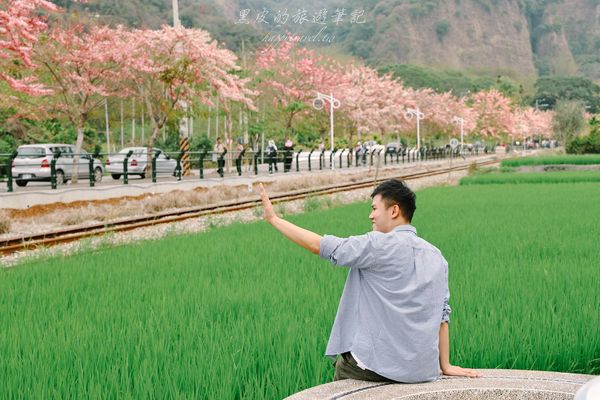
x=7, y=146
x=441, y=29
x=201, y=143
x=312, y=204
x=170, y=144
x=589, y=144
x=583, y=145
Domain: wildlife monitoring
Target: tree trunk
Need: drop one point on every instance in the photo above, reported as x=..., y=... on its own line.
x=156, y=127
x=78, y=145
x=155, y=131
x=229, y=141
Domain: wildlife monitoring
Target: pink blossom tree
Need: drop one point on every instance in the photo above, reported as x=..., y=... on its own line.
x=81, y=66
x=174, y=68
x=495, y=116
x=375, y=103
x=20, y=27
x=290, y=76
x=532, y=122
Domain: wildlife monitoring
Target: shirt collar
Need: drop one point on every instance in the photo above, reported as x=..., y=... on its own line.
x=405, y=228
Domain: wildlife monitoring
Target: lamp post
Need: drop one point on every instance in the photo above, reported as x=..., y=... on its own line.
x=524, y=132
x=461, y=121
x=318, y=104
x=184, y=130
x=415, y=112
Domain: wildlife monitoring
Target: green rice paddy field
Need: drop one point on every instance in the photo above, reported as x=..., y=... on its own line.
x=586, y=159
x=495, y=178
x=239, y=312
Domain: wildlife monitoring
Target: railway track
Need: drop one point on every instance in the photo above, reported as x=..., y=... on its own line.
x=59, y=236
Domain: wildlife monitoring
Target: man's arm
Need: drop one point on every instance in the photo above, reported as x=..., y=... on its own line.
x=447, y=368
x=303, y=237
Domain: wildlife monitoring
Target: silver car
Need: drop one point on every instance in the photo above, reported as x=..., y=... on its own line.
x=138, y=162
x=32, y=163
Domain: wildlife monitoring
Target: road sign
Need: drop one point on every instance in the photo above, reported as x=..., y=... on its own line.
x=453, y=143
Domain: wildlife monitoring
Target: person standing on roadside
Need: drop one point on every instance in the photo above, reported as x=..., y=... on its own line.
x=288, y=146
x=272, y=156
x=239, y=153
x=392, y=320
x=219, y=156
x=357, y=152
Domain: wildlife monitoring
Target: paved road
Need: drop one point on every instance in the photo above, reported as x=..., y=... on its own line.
x=247, y=171
x=41, y=192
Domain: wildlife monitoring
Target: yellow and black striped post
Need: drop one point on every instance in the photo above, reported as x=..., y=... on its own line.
x=184, y=145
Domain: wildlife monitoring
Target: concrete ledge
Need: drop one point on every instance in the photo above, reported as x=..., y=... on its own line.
x=496, y=384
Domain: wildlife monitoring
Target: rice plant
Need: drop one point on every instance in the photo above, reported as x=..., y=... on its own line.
x=532, y=178
x=241, y=313
x=552, y=160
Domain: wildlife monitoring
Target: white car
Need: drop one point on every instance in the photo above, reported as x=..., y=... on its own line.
x=32, y=163
x=138, y=162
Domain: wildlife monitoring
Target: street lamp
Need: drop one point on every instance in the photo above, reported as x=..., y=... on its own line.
x=318, y=104
x=176, y=21
x=524, y=132
x=415, y=112
x=461, y=121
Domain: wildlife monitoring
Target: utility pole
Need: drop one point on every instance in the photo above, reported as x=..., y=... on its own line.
x=184, y=144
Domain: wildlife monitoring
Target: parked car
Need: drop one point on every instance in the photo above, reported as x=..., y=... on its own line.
x=32, y=163
x=392, y=148
x=374, y=146
x=138, y=162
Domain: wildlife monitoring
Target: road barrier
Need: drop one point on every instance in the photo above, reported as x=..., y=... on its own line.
x=91, y=167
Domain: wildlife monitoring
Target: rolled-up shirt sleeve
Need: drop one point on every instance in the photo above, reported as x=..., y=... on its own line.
x=446, y=310
x=354, y=251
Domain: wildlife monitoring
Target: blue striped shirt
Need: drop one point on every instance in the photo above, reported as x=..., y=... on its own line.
x=394, y=300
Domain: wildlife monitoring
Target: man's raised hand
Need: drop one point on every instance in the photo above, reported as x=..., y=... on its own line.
x=268, y=211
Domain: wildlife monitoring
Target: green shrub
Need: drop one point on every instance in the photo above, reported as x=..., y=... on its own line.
x=312, y=204
x=201, y=143
x=589, y=144
x=441, y=29
x=7, y=147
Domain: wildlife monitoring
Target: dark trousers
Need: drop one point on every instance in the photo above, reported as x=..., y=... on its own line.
x=347, y=368
x=287, y=163
x=272, y=163
x=220, y=164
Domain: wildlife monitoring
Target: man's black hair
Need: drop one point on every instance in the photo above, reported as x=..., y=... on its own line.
x=395, y=191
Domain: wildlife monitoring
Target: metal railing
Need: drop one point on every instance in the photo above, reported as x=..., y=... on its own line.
x=57, y=168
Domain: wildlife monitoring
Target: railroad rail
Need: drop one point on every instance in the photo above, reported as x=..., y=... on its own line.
x=59, y=236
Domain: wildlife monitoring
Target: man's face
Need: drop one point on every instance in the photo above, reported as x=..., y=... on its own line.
x=383, y=217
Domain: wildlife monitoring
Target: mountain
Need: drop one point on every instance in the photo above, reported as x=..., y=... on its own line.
x=524, y=38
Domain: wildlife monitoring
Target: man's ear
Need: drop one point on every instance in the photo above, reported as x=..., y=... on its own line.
x=396, y=212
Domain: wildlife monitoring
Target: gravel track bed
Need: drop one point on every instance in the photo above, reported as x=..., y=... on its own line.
x=25, y=226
